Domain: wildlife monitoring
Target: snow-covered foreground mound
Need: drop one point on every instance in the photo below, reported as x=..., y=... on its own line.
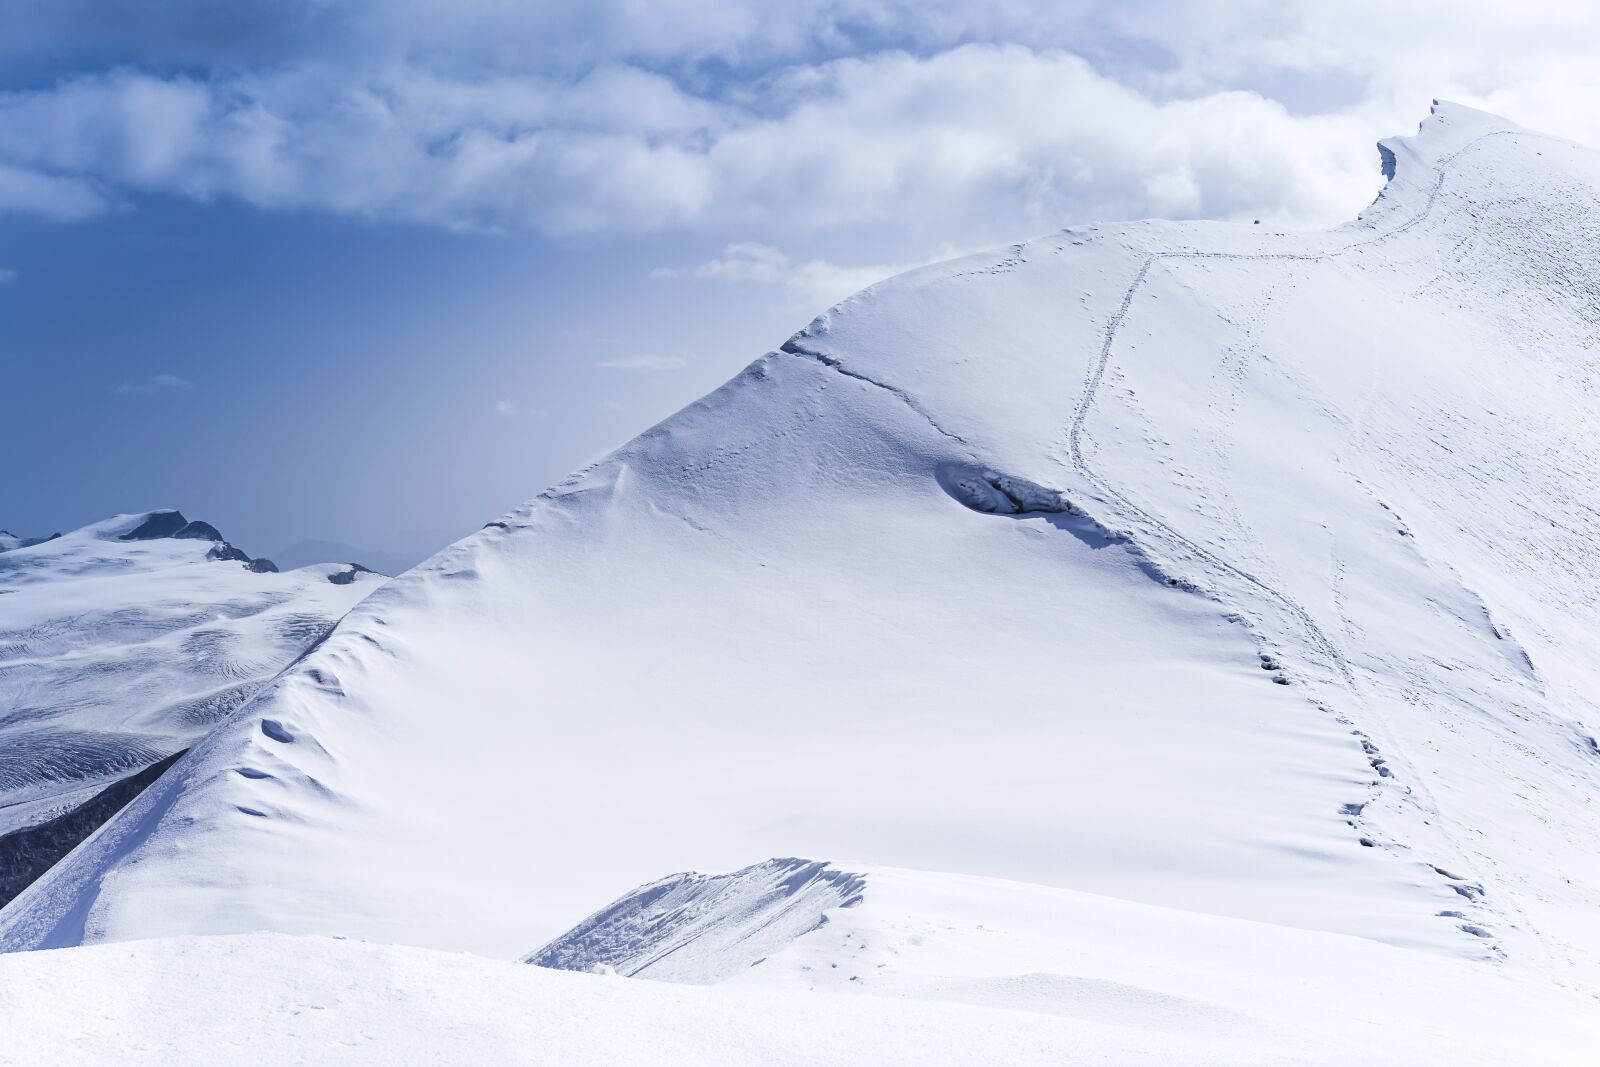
x=1201, y=566
x=121, y=644
x=927, y=969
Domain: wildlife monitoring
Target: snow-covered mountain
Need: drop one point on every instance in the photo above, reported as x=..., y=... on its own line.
x=1195, y=597
x=9, y=540
x=121, y=644
x=386, y=560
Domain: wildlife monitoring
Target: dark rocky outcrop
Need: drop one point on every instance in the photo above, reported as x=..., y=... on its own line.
x=223, y=550
x=199, y=531
x=157, y=524
x=349, y=576
x=26, y=854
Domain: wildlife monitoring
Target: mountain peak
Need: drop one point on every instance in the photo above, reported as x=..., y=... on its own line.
x=1412, y=164
x=165, y=522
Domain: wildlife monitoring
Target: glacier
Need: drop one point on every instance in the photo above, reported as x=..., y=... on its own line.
x=121, y=644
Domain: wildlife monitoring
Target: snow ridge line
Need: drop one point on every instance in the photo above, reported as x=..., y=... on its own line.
x=1096, y=378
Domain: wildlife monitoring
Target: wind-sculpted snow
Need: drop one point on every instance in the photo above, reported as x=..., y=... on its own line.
x=120, y=645
x=702, y=928
x=27, y=853
x=1201, y=566
x=928, y=969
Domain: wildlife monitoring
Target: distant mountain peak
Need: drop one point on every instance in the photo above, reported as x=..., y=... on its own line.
x=154, y=524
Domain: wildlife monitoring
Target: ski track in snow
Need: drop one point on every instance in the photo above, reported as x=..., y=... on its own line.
x=1097, y=373
x=1328, y=648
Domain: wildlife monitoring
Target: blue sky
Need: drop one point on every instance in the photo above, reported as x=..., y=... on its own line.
x=376, y=273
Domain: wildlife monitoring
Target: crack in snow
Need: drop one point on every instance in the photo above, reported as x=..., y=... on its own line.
x=795, y=348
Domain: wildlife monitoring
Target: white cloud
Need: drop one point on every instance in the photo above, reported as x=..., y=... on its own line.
x=158, y=383
x=512, y=410
x=992, y=138
x=822, y=283
x=643, y=361
x=7, y=276
x=63, y=199
x=735, y=116
x=814, y=282
x=745, y=261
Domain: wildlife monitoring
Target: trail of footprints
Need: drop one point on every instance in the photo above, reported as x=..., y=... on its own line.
x=1472, y=892
x=990, y=493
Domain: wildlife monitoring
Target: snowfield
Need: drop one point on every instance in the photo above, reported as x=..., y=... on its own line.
x=933, y=969
x=1211, y=607
x=121, y=644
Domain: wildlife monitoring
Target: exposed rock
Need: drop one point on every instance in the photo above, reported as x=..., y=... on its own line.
x=157, y=524
x=199, y=531
x=26, y=854
x=346, y=577
x=224, y=550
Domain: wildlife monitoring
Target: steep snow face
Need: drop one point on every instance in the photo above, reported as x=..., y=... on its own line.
x=120, y=645
x=1203, y=566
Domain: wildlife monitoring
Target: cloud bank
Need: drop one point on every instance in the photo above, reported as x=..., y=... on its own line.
x=960, y=121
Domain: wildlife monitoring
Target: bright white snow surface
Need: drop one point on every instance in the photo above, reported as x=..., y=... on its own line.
x=117, y=653
x=928, y=969
x=996, y=569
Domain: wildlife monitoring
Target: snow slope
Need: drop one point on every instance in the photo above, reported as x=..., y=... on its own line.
x=1258, y=990
x=926, y=969
x=1229, y=989
x=123, y=643
x=1211, y=568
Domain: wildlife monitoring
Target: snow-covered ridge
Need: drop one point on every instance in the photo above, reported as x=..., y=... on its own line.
x=1228, y=575
x=121, y=643
x=703, y=928
x=9, y=540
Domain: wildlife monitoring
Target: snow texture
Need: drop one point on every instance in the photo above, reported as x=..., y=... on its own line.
x=929, y=969
x=703, y=928
x=121, y=644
